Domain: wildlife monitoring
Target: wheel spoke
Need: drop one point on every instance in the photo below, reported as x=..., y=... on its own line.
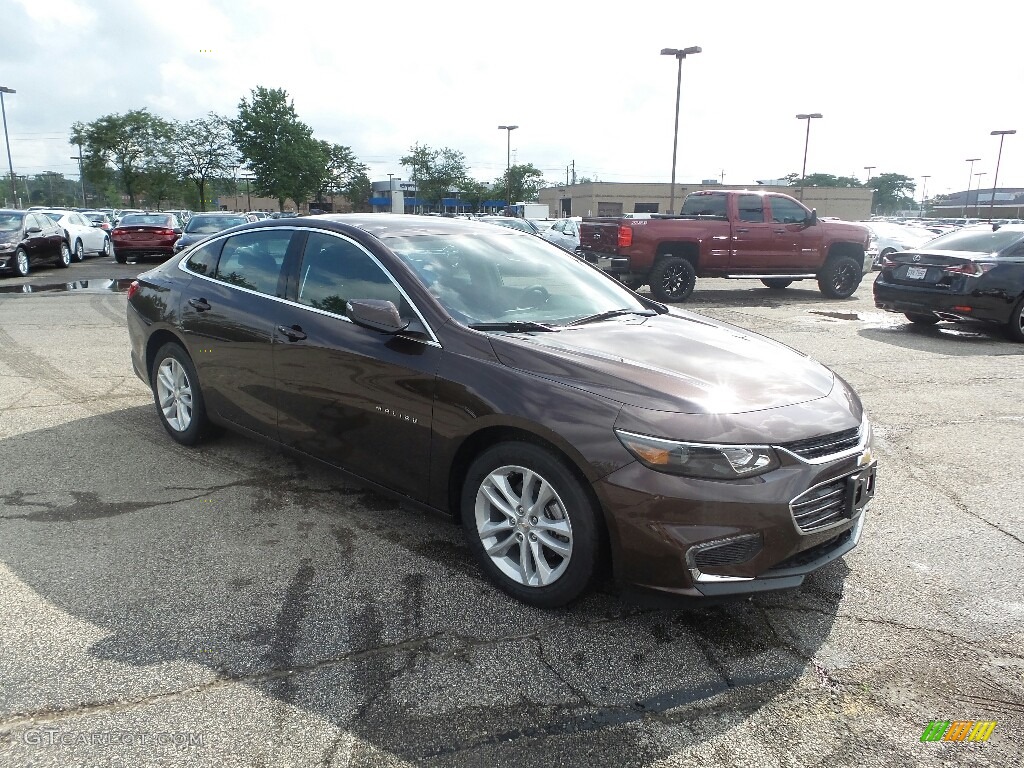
x=543, y=569
x=500, y=548
x=497, y=500
x=545, y=493
x=494, y=528
x=165, y=378
x=557, y=546
x=526, y=564
x=557, y=527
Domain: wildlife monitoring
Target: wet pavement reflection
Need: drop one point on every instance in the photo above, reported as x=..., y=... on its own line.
x=109, y=285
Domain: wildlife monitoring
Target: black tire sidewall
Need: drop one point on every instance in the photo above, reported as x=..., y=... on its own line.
x=1013, y=329
x=579, y=506
x=17, y=261
x=198, y=428
x=658, y=275
x=827, y=277
x=64, y=248
x=78, y=254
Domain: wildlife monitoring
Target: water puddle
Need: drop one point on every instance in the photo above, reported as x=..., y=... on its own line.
x=837, y=315
x=114, y=285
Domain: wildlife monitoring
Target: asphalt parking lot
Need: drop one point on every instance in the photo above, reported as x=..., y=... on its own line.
x=233, y=606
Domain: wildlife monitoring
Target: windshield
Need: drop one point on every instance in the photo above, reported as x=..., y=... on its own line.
x=509, y=278
x=207, y=225
x=10, y=222
x=976, y=240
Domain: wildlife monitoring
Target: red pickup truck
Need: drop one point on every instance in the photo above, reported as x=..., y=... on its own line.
x=733, y=234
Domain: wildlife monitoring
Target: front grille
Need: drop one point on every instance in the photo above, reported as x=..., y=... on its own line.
x=826, y=445
x=810, y=555
x=821, y=506
x=729, y=552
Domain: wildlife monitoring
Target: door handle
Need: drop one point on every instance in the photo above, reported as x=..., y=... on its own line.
x=292, y=333
x=779, y=231
x=200, y=305
x=742, y=230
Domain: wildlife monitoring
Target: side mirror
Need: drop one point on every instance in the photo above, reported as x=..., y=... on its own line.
x=376, y=314
x=811, y=220
x=34, y=230
x=177, y=230
x=96, y=224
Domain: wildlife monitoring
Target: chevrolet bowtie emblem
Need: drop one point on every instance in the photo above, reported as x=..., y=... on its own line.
x=865, y=458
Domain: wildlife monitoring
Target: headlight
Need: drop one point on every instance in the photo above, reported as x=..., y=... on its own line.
x=716, y=462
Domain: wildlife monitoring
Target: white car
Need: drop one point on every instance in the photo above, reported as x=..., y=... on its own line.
x=888, y=237
x=83, y=236
x=564, y=232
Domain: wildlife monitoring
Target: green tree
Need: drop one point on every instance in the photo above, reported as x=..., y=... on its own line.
x=436, y=172
x=127, y=142
x=524, y=184
x=202, y=150
x=823, y=180
x=278, y=147
x=893, y=192
x=359, y=190
x=341, y=173
x=476, y=192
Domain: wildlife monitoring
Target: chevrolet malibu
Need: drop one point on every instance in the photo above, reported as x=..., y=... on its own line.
x=568, y=423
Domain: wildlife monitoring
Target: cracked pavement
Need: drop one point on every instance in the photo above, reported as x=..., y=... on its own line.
x=277, y=615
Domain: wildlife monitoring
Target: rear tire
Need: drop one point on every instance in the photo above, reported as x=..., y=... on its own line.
x=1015, y=328
x=776, y=283
x=672, y=279
x=178, y=396
x=79, y=252
x=22, y=265
x=921, y=319
x=120, y=258
x=531, y=524
x=64, y=261
x=840, y=277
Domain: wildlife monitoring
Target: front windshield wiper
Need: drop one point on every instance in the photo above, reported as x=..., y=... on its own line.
x=515, y=326
x=612, y=313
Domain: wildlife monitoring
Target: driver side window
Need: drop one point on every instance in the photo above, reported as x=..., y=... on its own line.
x=786, y=211
x=335, y=271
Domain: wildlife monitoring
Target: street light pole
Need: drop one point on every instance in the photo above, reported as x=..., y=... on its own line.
x=7, y=138
x=977, y=195
x=680, y=54
x=508, y=161
x=1002, y=135
x=924, y=194
x=970, y=172
x=869, y=169
x=807, y=140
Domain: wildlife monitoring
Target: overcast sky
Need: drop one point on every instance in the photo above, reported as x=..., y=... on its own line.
x=907, y=87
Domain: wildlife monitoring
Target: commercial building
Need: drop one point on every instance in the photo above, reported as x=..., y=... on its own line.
x=604, y=198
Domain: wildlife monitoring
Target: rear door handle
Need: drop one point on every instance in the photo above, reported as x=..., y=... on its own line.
x=742, y=230
x=293, y=333
x=780, y=231
x=200, y=305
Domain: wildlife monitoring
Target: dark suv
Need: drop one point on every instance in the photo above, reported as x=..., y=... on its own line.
x=489, y=374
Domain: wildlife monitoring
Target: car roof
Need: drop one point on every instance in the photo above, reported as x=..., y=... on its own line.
x=383, y=225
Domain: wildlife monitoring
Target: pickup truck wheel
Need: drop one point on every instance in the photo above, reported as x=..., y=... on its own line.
x=672, y=279
x=776, y=283
x=840, y=277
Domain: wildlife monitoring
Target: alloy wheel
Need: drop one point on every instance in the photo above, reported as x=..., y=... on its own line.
x=175, y=394
x=22, y=263
x=844, y=279
x=523, y=526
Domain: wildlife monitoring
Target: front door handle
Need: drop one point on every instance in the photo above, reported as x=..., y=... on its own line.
x=200, y=305
x=292, y=333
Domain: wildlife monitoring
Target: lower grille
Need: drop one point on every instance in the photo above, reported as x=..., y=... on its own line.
x=729, y=552
x=812, y=554
x=821, y=506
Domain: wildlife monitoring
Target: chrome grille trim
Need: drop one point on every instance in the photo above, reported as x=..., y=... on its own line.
x=820, y=507
x=826, y=448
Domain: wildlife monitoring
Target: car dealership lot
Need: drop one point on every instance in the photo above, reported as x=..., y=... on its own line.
x=231, y=605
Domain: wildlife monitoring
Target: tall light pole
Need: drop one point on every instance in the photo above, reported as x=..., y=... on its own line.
x=977, y=195
x=680, y=54
x=869, y=169
x=1002, y=135
x=970, y=172
x=924, y=194
x=81, y=175
x=7, y=138
x=508, y=161
x=807, y=139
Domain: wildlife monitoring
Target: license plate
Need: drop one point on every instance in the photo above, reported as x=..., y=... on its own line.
x=604, y=263
x=860, y=489
x=916, y=273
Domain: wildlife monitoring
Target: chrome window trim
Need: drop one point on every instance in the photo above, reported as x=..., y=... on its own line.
x=184, y=256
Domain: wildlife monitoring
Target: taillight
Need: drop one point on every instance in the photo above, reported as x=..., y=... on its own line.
x=133, y=289
x=166, y=232
x=625, y=236
x=970, y=269
x=886, y=262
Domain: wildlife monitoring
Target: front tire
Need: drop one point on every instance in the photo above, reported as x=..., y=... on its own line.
x=840, y=277
x=531, y=524
x=178, y=396
x=1015, y=328
x=776, y=283
x=672, y=279
x=79, y=253
x=21, y=263
x=65, y=256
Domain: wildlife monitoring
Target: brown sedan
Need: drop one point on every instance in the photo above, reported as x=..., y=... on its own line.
x=562, y=418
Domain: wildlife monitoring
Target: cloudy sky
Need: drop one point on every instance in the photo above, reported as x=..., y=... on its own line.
x=907, y=87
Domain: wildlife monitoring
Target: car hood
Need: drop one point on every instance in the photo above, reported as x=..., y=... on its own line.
x=680, y=362
x=847, y=229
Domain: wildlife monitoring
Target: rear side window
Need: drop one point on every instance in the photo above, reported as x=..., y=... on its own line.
x=253, y=260
x=334, y=271
x=203, y=260
x=751, y=208
x=705, y=205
